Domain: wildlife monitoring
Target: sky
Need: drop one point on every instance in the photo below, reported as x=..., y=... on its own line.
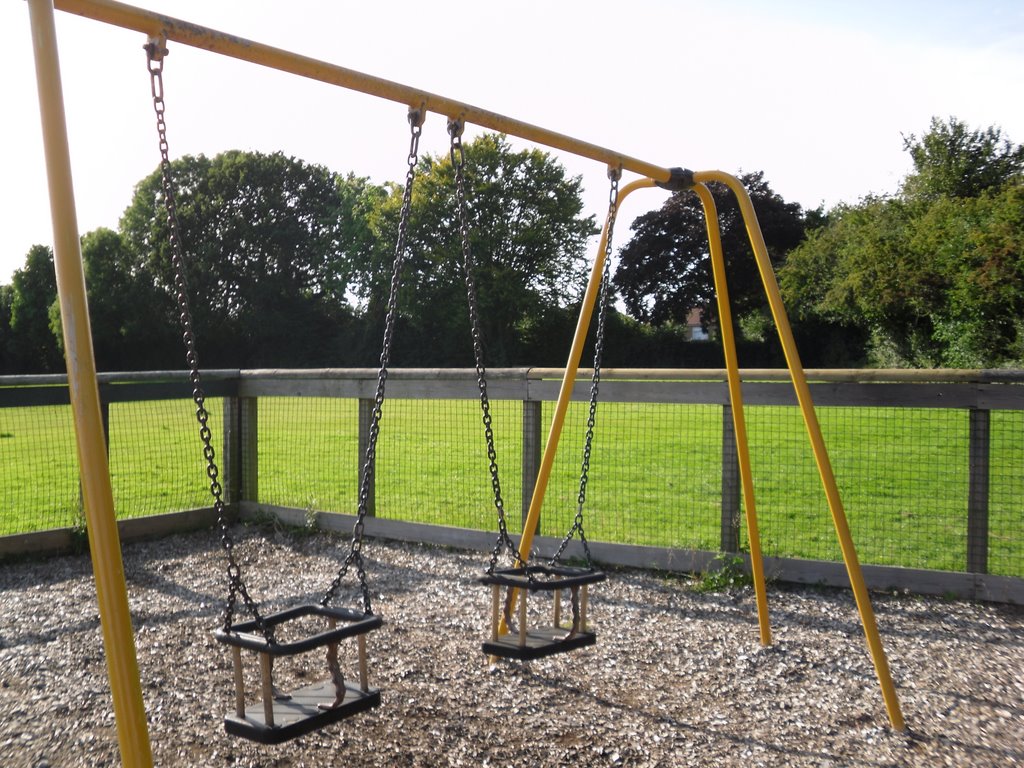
x=817, y=95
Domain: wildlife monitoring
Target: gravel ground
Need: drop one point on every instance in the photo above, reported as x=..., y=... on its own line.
x=677, y=677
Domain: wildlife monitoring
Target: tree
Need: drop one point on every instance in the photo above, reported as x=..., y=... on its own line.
x=856, y=272
x=32, y=346
x=133, y=322
x=664, y=270
x=951, y=160
x=528, y=237
x=935, y=275
x=270, y=243
x=6, y=297
x=978, y=245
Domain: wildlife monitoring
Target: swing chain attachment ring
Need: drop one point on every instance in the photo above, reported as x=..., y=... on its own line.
x=156, y=50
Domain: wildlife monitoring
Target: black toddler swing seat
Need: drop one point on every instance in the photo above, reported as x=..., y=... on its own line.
x=278, y=717
x=524, y=642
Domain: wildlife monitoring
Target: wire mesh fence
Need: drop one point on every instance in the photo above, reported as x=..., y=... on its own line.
x=1006, y=495
x=902, y=477
x=908, y=476
x=156, y=456
x=433, y=465
x=655, y=474
x=39, y=486
x=905, y=478
x=431, y=459
x=308, y=453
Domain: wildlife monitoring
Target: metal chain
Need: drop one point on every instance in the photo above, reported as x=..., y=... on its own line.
x=458, y=156
x=236, y=586
x=614, y=174
x=416, y=117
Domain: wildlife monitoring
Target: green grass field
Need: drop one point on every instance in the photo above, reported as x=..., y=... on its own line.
x=655, y=473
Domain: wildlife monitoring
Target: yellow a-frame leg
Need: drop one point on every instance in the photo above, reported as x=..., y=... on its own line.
x=736, y=401
x=565, y=392
x=111, y=593
x=568, y=382
x=821, y=457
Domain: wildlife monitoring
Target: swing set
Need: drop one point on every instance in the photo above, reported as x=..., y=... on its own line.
x=279, y=715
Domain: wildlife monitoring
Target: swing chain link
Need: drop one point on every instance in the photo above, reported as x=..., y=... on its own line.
x=416, y=118
x=458, y=158
x=614, y=174
x=156, y=52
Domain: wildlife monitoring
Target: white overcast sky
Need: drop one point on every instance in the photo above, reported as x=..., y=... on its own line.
x=815, y=94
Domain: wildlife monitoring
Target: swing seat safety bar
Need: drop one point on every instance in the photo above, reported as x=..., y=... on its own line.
x=278, y=717
x=244, y=635
x=543, y=577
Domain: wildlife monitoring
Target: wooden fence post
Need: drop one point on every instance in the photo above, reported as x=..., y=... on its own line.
x=366, y=406
x=105, y=416
x=977, y=496
x=231, y=450
x=730, y=538
x=531, y=453
x=248, y=451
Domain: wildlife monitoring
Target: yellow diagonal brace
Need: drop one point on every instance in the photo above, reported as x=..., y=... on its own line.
x=736, y=401
x=111, y=593
x=828, y=480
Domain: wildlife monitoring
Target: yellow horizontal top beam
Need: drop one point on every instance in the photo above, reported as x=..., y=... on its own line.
x=155, y=24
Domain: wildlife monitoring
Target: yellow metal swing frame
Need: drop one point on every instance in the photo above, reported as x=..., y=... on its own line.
x=95, y=476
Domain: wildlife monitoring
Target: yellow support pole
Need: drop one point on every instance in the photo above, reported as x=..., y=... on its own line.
x=104, y=544
x=817, y=441
x=736, y=400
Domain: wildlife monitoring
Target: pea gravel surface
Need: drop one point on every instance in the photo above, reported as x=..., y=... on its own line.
x=677, y=678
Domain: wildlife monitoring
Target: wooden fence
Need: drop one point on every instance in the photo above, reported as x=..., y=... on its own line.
x=978, y=393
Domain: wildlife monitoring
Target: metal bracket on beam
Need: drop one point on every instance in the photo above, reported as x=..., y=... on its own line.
x=680, y=180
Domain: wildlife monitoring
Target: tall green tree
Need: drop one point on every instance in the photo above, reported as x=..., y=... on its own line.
x=133, y=323
x=664, y=270
x=6, y=297
x=978, y=247
x=528, y=236
x=934, y=275
x=32, y=346
x=270, y=243
x=952, y=160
